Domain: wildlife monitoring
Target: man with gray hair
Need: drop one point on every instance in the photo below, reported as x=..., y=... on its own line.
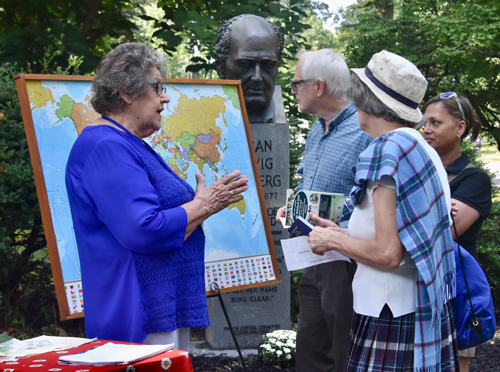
x=320, y=85
x=248, y=48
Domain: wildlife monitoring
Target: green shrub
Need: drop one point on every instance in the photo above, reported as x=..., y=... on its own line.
x=488, y=244
x=27, y=296
x=488, y=251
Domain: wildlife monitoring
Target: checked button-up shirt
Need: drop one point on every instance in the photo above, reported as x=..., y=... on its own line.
x=330, y=159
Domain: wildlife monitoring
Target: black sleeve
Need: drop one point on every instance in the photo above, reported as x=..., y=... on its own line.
x=473, y=188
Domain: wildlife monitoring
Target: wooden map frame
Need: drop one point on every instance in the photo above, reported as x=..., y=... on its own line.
x=43, y=198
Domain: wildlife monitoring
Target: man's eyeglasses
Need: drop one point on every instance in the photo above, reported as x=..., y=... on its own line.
x=159, y=88
x=451, y=95
x=295, y=83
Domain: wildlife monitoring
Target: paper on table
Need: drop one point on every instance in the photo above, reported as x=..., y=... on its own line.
x=14, y=348
x=298, y=254
x=111, y=353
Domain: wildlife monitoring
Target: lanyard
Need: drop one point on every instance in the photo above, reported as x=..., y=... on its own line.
x=122, y=128
x=134, y=137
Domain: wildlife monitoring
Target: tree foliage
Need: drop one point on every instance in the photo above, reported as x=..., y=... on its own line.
x=488, y=244
x=44, y=35
x=26, y=290
x=197, y=23
x=456, y=45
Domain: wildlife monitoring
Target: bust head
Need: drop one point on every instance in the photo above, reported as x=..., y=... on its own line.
x=248, y=48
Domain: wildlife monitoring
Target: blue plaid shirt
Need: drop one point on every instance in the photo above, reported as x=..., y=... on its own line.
x=329, y=162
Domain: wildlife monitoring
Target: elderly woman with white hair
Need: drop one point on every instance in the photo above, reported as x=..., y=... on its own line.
x=399, y=230
x=138, y=224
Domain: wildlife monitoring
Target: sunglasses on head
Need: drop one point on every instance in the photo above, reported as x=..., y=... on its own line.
x=451, y=95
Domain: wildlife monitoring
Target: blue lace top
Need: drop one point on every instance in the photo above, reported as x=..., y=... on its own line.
x=139, y=276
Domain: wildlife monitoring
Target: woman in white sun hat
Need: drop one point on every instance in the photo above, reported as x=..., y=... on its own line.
x=399, y=232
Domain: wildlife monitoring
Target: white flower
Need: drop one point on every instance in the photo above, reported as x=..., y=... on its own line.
x=278, y=344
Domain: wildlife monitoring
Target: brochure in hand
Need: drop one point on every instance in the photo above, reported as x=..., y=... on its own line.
x=326, y=205
x=300, y=227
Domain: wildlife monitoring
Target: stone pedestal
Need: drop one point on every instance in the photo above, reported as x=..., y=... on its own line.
x=257, y=311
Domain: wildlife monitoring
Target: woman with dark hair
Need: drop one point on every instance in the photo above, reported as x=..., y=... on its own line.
x=137, y=224
x=450, y=120
x=399, y=231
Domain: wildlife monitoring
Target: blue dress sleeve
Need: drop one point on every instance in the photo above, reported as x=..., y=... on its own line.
x=117, y=186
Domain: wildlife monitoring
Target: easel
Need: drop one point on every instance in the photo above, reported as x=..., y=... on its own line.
x=216, y=292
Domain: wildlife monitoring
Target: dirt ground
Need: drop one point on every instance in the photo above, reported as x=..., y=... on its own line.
x=487, y=360
x=487, y=357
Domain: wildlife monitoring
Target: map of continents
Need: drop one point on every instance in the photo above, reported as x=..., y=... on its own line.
x=202, y=131
x=60, y=111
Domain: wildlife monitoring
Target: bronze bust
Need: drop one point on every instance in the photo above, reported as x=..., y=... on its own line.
x=248, y=48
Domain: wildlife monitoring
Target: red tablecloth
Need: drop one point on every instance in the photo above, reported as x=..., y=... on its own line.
x=171, y=361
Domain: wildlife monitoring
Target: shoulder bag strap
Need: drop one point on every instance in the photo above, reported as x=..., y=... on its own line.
x=474, y=320
x=451, y=176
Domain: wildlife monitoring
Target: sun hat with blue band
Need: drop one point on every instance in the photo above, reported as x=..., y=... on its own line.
x=396, y=82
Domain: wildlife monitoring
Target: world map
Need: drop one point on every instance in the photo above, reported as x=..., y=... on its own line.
x=202, y=131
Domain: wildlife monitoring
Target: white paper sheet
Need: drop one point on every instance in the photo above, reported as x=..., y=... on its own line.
x=111, y=353
x=298, y=254
x=39, y=345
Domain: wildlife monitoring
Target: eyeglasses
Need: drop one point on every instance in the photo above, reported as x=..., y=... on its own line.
x=451, y=95
x=159, y=88
x=295, y=83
